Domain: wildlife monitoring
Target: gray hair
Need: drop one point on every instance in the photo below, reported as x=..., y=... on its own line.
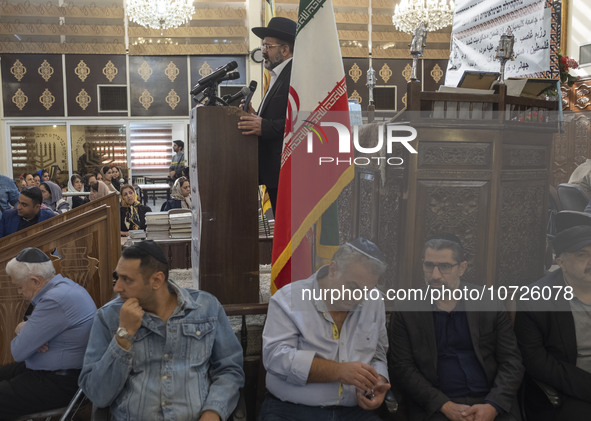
x=346, y=255
x=20, y=271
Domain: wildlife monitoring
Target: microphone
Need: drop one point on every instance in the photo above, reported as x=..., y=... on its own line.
x=252, y=87
x=213, y=77
x=242, y=93
x=230, y=76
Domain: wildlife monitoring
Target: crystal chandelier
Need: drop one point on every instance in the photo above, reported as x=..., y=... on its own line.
x=160, y=14
x=409, y=14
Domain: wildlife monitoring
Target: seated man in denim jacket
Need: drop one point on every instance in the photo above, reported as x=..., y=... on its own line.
x=158, y=351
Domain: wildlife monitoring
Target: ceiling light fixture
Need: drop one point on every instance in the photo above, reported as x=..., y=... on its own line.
x=436, y=14
x=160, y=14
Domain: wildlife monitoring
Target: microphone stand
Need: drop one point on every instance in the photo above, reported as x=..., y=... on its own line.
x=213, y=99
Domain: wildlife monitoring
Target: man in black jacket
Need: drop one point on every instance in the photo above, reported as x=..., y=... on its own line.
x=554, y=332
x=269, y=122
x=456, y=359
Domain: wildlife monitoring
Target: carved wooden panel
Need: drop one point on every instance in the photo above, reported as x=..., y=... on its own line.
x=523, y=211
x=87, y=245
x=524, y=157
x=454, y=155
x=12, y=309
x=458, y=207
x=582, y=96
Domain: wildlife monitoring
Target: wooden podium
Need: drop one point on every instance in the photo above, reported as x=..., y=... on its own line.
x=227, y=168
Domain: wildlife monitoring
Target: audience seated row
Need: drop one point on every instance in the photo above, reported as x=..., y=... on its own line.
x=160, y=349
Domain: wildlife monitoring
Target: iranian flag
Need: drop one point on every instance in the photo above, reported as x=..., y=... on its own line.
x=309, y=182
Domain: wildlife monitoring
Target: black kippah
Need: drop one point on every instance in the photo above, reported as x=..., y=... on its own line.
x=32, y=255
x=446, y=236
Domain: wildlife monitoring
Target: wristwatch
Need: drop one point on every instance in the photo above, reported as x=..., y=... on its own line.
x=124, y=334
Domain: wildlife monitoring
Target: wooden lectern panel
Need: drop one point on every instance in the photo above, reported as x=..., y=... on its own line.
x=227, y=166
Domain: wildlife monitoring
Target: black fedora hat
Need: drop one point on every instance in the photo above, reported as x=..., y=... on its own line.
x=278, y=27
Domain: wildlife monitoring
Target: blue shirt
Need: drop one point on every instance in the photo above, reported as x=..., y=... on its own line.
x=62, y=318
x=174, y=370
x=11, y=222
x=8, y=193
x=458, y=369
x=298, y=329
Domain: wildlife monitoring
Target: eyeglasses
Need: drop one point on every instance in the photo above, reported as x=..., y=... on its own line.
x=444, y=268
x=267, y=47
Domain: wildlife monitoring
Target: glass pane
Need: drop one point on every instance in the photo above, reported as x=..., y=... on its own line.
x=96, y=146
x=36, y=148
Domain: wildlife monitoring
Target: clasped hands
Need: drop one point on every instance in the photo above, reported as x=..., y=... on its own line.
x=367, y=382
x=460, y=412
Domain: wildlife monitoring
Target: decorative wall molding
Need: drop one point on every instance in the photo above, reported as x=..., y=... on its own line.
x=66, y=29
x=49, y=10
x=192, y=32
x=59, y=48
x=194, y=49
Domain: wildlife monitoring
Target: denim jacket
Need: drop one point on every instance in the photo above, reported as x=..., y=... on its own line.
x=174, y=370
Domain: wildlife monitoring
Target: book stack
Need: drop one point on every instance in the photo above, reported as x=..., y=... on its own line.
x=137, y=234
x=180, y=223
x=157, y=225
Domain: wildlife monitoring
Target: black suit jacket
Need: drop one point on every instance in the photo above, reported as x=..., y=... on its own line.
x=546, y=335
x=273, y=111
x=412, y=356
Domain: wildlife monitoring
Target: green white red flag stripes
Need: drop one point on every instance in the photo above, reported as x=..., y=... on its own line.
x=318, y=94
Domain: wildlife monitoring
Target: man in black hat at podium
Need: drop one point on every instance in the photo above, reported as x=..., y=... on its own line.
x=269, y=122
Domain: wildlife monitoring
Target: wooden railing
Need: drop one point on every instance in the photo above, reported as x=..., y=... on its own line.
x=480, y=108
x=85, y=246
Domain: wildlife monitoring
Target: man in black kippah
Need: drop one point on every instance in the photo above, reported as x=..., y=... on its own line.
x=455, y=358
x=325, y=341
x=28, y=212
x=159, y=351
x=554, y=334
x=49, y=346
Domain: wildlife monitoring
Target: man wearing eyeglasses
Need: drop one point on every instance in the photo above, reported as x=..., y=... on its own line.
x=269, y=122
x=454, y=359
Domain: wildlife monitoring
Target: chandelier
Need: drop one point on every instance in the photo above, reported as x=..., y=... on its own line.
x=409, y=14
x=160, y=14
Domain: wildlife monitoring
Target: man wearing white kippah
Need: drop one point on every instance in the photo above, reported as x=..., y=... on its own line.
x=325, y=341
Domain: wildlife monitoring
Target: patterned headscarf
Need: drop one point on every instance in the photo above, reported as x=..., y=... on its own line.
x=178, y=195
x=132, y=218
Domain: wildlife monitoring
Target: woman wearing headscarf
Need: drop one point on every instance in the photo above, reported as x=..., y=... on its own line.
x=75, y=185
x=98, y=189
x=107, y=173
x=133, y=213
x=180, y=196
x=52, y=197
